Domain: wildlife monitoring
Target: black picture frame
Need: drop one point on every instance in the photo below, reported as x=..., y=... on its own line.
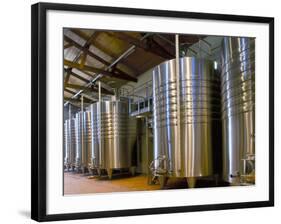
x=38, y=110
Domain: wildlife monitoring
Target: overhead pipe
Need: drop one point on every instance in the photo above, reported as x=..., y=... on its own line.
x=125, y=54
x=89, y=97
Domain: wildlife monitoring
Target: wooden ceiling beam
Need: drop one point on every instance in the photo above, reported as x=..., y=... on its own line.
x=87, y=68
x=68, y=45
x=86, y=45
x=86, y=50
x=99, y=46
x=66, y=79
x=121, y=74
x=170, y=52
x=88, y=89
x=78, y=100
x=98, y=71
x=69, y=91
x=84, y=79
x=76, y=75
x=73, y=93
x=84, y=35
x=149, y=46
x=129, y=39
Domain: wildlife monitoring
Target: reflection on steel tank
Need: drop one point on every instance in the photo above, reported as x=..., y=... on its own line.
x=87, y=139
x=94, y=159
x=83, y=140
x=238, y=109
x=114, y=136
x=79, y=143
x=199, y=99
x=69, y=144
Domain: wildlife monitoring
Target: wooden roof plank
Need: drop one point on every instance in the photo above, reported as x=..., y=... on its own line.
x=122, y=74
x=149, y=46
x=97, y=70
x=102, y=48
x=73, y=93
x=88, y=89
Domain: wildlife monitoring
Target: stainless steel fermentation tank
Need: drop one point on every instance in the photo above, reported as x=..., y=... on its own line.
x=83, y=140
x=199, y=107
x=69, y=144
x=87, y=138
x=94, y=160
x=114, y=136
x=78, y=137
x=238, y=109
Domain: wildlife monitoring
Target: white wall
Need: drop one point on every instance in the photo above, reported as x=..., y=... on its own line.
x=15, y=111
x=139, y=87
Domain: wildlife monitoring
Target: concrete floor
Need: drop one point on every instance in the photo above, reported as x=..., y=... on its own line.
x=75, y=183
x=80, y=184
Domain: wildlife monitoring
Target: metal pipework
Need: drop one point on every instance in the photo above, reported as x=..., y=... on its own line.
x=125, y=54
x=238, y=109
x=89, y=97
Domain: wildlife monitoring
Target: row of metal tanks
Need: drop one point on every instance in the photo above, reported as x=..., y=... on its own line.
x=204, y=122
x=101, y=139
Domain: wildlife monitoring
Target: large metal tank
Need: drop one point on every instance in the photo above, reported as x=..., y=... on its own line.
x=65, y=153
x=199, y=107
x=95, y=146
x=238, y=109
x=94, y=159
x=116, y=134
x=79, y=140
x=87, y=138
x=83, y=140
x=69, y=143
